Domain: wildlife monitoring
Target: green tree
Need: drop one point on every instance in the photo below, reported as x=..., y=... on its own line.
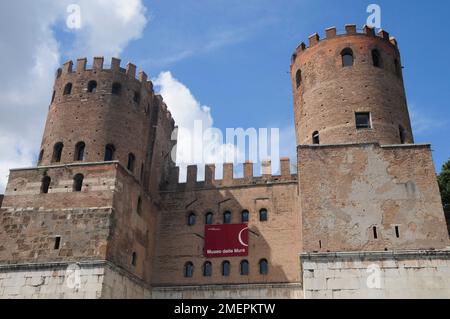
x=444, y=185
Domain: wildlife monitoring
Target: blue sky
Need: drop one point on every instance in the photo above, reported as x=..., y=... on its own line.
x=226, y=62
x=234, y=55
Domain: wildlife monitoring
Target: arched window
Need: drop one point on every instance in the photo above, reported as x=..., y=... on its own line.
x=207, y=269
x=79, y=151
x=402, y=134
x=376, y=58
x=347, y=57
x=209, y=218
x=227, y=217
x=298, y=78
x=139, y=206
x=134, y=259
x=92, y=86
x=68, y=89
x=189, y=270
x=57, y=152
x=191, y=219
x=116, y=88
x=398, y=69
x=316, y=138
x=263, y=215
x=78, y=182
x=226, y=268
x=263, y=267
x=244, y=268
x=53, y=97
x=109, y=152
x=245, y=216
x=131, y=161
x=41, y=156
x=45, y=185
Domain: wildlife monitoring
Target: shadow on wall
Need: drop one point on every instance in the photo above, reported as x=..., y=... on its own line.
x=1, y=200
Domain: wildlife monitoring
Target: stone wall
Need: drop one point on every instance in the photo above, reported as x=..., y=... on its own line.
x=373, y=275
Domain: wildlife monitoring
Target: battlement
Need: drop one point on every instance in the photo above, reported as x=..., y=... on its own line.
x=228, y=180
x=350, y=30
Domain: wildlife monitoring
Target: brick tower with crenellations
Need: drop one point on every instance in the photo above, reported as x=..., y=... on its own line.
x=103, y=214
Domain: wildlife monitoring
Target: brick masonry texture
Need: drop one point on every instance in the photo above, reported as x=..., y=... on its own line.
x=359, y=192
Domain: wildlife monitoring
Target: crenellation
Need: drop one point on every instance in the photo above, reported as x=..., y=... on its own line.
x=98, y=63
x=350, y=29
x=331, y=33
x=131, y=70
x=314, y=39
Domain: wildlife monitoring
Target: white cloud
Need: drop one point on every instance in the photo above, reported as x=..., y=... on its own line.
x=30, y=54
x=422, y=123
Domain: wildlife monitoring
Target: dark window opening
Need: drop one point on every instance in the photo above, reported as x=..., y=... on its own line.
x=245, y=216
x=402, y=134
x=92, y=87
x=137, y=97
x=298, y=78
x=263, y=267
x=192, y=219
x=116, y=88
x=78, y=183
x=131, y=161
x=41, y=156
x=57, y=152
x=109, y=152
x=227, y=217
x=209, y=219
x=347, y=57
x=320, y=244
x=316, y=138
x=244, y=268
x=134, y=259
x=363, y=120
x=376, y=58
x=57, y=243
x=226, y=268
x=45, y=184
x=397, y=232
x=375, y=233
x=207, y=269
x=79, y=151
x=263, y=215
x=139, y=206
x=68, y=89
x=188, y=270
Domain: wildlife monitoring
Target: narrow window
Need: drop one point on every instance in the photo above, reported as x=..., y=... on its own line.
x=131, y=160
x=363, y=120
x=57, y=242
x=298, y=78
x=79, y=151
x=226, y=268
x=109, y=152
x=402, y=134
x=263, y=267
x=116, y=88
x=347, y=57
x=134, y=259
x=375, y=233
x=188, y=270
x=320, y=244
x=41, y=156
x=92, y=87
x=192, y=219
x=78, y=183
x=207, y=269
x=209, y=219
x=139, y=206
x=245, y=216
x=316, y=138
x=227, y=217
x=53, y=97
x=263, y=215
x=397, y=232
x=376, y=58
x=137, y=97
x=68, y=89
x=57, y=152
x=244, y=268
x=398, y=70
x=45, y=185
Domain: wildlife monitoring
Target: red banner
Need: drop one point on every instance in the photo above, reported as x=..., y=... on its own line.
x=228, y=240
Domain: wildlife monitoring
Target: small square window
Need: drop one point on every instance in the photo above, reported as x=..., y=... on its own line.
x=363, y=120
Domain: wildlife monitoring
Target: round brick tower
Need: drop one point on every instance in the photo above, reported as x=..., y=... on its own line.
x=349, y=89
x=100, y=114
